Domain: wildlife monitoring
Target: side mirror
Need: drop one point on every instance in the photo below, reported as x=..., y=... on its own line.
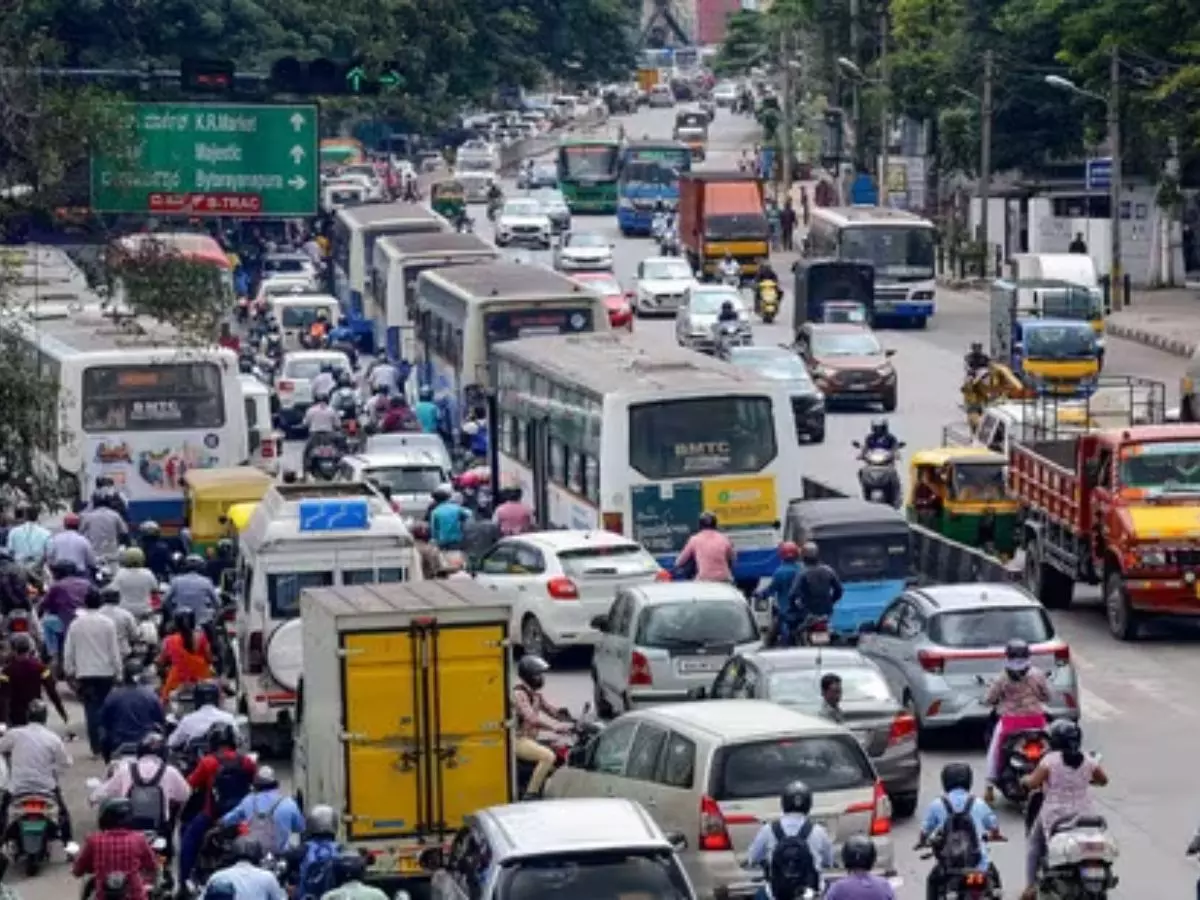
x=600, y=623
x=431, y=859
x=868, y=628
x=889, y=353
x=678, y=841
x=698, y=693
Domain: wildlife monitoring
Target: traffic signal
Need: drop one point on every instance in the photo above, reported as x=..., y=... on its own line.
x=206, y=76
x=325, y=76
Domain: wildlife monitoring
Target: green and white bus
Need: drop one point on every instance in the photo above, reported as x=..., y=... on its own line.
x=588, y=169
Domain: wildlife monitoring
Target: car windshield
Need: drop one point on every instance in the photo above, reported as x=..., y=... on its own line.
x=1067, y=341
x=975, y=482
x=802, y=687
x=286, y=264
x=545, y=173
x=585, y=239
x=876, y=557
x=360, y=171
x=522, y=208
x=300, y=316
x=1169, y=466
x=551, y=201
x=666, y=270
x=697, y=623
x=474, y=165
x=833, y=762
x=769, y=363
x=616, y=559
x=594, y=876
x=605, y=287
x=845, y=343
x=990, y=627
x=408, y=479
x=309, y=368
x=708, y=303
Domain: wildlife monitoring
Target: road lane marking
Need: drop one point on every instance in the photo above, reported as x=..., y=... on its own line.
x=1096, y=708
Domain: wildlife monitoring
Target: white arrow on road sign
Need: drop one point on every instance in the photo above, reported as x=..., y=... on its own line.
x=297, y=183
x=297, y=121
x=297, y=154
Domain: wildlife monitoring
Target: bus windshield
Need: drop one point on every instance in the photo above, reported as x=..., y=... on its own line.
x=701, y=436
x=508, y=325
x=592, y=161
x=677, y=158
x=896, y=251
x=172, y=397
x=649, y=173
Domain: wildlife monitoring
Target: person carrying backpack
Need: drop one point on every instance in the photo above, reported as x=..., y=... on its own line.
x=223, y=778
x=955, y=827
x=156, y=790
x=271, y=815
x=793, y=850
x=315, y=860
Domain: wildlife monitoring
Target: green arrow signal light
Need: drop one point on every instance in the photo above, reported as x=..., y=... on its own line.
x=355, y=77
x=389, y=79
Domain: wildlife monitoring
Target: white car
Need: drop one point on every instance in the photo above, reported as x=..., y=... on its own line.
x=284, y=285
x=288, y=265
x=561, y=581
x=524, y=221
x=477, y=174
x=366, y=173
x=661, y=283
x=410, y=475
x=584, y=251
x=293, y=386
x=725, y=94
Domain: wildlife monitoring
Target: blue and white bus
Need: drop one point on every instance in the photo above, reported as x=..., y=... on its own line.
x=355, y=231
x=649, y=175
x=899, y=244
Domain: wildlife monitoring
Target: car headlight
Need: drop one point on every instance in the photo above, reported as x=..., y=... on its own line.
x=887, y=373
x=1152, y=558
x=625, y=203
x=824, y=372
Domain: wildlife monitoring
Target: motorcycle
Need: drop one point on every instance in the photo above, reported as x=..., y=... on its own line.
x=1020, y=752
x=967, y=884
x=730, y=334
x=116, y=884
x=731, y=278
x=877, y=475
x=32, y=827
x=768, y=300
x=567, y=747
x=668, y=243
x=493, y=209
x=814, y=632
x=1078, y=864
x=323, y=460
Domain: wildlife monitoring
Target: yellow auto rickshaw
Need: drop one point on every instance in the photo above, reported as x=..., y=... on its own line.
x=449, y=199
x=962, y=493
x=210, y=493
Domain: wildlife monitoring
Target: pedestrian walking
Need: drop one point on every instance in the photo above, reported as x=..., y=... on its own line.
x=787, y=224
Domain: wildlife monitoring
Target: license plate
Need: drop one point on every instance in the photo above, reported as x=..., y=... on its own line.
x=858, y=387
x=1093, y=873
x=697, y=665
x=819, y=638
x=409, y=865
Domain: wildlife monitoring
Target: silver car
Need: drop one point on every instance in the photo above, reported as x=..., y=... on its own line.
x=941, y=646
x=584, y=251
x=554, y=205
x=696, y=318
x=660, y=641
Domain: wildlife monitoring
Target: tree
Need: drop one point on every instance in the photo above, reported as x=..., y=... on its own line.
x=745, y=43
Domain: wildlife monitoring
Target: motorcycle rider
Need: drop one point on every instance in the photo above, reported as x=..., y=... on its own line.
x=126, y=624
x=426, y=410
x=250, y=881
x=134, y=582
x=796, y=832
x=156, y=551
x=63, y=600
x=858, y=858
x=384, y=374
x=879, y=437
x=976, y=361
x=198, y=724
x=150, y=774
x=71, y=546
x=130, y=712
x=1063, y=776
x=765, y=273
x=779, y=590
x=321, y=418
x=14, y=583
x=942, y=820
x=431, y=560
x=271, y=815
x=728, y=313
x=441, y=494
x=399, y=417
x=345, y=398
x=495, y=199
x=118, y=849
x=24, y=678
x=513, y=516
x=730, y=268
x=446, y=523
x=186, y=656
x=661, y=221
x=817, y=587
x=313, y=860
x=193, y=589
x=27, y=541
x=37, y=758
x=103, y=526
x=708, y=552
x=535, y=715
x=1017, y=695
x=376, y=406
x=223, y=777
x=348, y=872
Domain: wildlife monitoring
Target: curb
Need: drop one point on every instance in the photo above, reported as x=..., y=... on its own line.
x=1162, y=342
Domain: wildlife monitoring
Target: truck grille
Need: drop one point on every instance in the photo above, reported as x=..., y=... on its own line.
x=526, y=230
x=1187, y=558
x=891, y=293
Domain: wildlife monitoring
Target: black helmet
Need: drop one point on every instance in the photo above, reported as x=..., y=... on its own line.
x=1016, y=649
x=879, y=426
x=976, y=346
x=38, y=711
x=442, y=493
x=225, y=548
x=110, y=594
x=63, y=568
x=115, y=812
x=707, y=520
x=796, y=798
x=152, y=744
x=321, y=822
x=206, y=693
x=149, y=528
x=1064, y=735
x=349, y=867
x=957, y=776
x=858, y=853
x=194, y=563
x=22, y=643
x=532, y=670
x=184, y=618
x=222, y=735
x=248, y=849
x=131, y=672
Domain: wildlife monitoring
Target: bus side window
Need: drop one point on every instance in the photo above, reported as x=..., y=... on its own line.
x=575, y=472
x=558, y=462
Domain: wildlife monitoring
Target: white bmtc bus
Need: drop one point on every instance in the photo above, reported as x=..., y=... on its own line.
x=137, y=405
x=601, y=432
x=464, y=312
x=899, y=244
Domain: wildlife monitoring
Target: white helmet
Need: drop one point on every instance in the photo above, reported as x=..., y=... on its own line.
x=470, y=429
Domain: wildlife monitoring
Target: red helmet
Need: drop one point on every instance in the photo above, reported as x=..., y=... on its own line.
x=789, y=551
x=469, y=479
x=420, y=531
x=70, y=520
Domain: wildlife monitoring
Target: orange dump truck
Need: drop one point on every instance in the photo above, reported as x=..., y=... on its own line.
x=1119, y=508
x=722, y=212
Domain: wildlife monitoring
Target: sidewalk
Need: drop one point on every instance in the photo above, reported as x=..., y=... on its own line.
x=1167, y=319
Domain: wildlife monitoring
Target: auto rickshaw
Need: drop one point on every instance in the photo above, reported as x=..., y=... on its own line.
x=240, y=514
x=962, y=494
x=449, y=199
x=210, y=493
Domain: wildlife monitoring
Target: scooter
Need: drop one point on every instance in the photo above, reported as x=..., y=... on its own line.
x=567, y=746
x=32, y=828
x=1020, y=752
x=768, y=301
x=877, y=475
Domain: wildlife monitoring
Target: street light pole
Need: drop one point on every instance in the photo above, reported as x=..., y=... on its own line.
x=885, y=116
x=1116, y=285
x=785, y=167
x=985, y=158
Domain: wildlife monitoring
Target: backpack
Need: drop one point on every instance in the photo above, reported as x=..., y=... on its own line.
x=317, y=870
x=792, y=867
x=262, y=824
x=959, y=848
x=231, y=784
x=147, y=802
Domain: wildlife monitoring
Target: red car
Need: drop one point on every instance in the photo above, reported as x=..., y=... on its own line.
x=620, y=313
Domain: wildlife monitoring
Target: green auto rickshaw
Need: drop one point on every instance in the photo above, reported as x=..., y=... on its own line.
x=449, y=199
x=962, y=493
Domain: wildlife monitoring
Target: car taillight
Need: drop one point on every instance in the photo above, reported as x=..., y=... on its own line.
x=229, y=614
x=33, y=805
x=931, y=662
x=904, y=728
x=880, y=808
x=285, y=387
x=713, y=833
x=1062, y=655
x=267, y=449
x=614, y=522
x=18, y=626
x=639, y=670
x=662, y=575
x=562, y=589
x=255, y=653
x=819, y=625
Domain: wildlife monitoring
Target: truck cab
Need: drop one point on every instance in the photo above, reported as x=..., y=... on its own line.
x=1047, y=353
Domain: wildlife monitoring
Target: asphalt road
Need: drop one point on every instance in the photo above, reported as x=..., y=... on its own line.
x=1135, y=696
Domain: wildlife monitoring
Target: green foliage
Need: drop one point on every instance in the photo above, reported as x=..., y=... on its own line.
x=745, y=44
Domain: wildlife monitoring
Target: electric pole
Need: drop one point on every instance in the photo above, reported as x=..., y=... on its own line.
x=856, y=111
x=985, y=158
x=1116, y=285
x=885, y=114
x=785, y=166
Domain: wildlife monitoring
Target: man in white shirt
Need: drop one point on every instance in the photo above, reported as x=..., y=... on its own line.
x=37, y=757
x=196, y=724
x=127, y=626
x=92, y=658
x=248, y=879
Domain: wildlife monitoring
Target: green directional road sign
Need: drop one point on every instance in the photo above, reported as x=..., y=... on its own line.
x=214, y=159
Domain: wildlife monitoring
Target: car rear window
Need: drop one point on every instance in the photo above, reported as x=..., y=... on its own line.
x=594, y=876
x=990, y=627
x=832, y=762
x=702, y=623
x=618, y=559
x=802, y=687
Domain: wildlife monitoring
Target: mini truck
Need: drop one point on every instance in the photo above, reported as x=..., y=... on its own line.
x=405, y=719
x=722, y=212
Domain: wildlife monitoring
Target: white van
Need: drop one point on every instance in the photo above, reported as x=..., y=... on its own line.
x=265, y=443
x=301, y=536
x=297, y=310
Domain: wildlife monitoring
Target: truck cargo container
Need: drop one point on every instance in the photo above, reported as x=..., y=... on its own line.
x=722, y=212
